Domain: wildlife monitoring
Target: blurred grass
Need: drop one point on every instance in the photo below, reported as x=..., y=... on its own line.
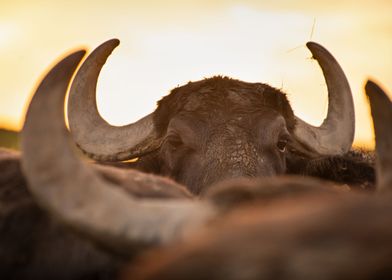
x=9, y=139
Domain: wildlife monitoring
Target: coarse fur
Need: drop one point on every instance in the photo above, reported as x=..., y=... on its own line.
x=355, y=168
x=207, y=139
x=223, y=96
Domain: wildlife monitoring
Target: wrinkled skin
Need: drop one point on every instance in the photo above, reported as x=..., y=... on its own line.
x=210, y=141
x=232, y=152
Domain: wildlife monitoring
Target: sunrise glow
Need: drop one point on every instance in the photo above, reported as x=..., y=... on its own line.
x=168, y=43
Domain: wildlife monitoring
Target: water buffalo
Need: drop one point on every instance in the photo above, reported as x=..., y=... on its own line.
x=126, y=211
x=220, y=128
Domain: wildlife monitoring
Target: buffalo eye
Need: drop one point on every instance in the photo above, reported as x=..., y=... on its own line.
x=282, y=143
x=174, y=141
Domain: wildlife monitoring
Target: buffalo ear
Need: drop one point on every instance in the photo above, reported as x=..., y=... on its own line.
x=381, y=110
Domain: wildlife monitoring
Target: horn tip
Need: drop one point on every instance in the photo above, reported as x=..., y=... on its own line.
x=311, y=44
x=371, y=88
x=113, y=42
x=78, y=55
x=313, y=47
x=379, y=100
x=70, y=61
x=102, y=52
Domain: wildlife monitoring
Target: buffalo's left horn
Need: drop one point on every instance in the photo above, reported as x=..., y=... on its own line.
x=74, y=193
x=336, y=133
x=381, y=109
x=97, y=138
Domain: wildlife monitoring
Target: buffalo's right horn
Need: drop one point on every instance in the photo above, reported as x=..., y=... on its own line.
x=336, y=134
x=381, y=109
x=97, y=138
x=74, y=193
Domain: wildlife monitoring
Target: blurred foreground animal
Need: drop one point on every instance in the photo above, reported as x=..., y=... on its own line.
x=127, y=211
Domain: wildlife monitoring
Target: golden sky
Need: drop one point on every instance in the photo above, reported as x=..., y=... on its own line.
x=167, y=43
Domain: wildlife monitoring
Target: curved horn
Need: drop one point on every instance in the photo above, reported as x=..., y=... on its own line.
x=381, y=109
x=336, y=133
x=80, y=198
x=98, y=139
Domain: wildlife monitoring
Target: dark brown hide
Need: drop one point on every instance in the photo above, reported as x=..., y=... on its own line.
x=223, y=96
x=355, y=169
x=205, y=127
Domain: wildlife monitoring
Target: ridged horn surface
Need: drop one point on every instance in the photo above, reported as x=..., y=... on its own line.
x=336, y=133
x=96, y=137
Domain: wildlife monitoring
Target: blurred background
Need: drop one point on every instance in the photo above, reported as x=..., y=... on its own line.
x=168, y=43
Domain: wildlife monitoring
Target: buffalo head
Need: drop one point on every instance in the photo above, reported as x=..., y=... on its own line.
x=214, y=129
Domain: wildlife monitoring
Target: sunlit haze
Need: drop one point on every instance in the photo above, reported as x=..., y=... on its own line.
x=168, y=43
